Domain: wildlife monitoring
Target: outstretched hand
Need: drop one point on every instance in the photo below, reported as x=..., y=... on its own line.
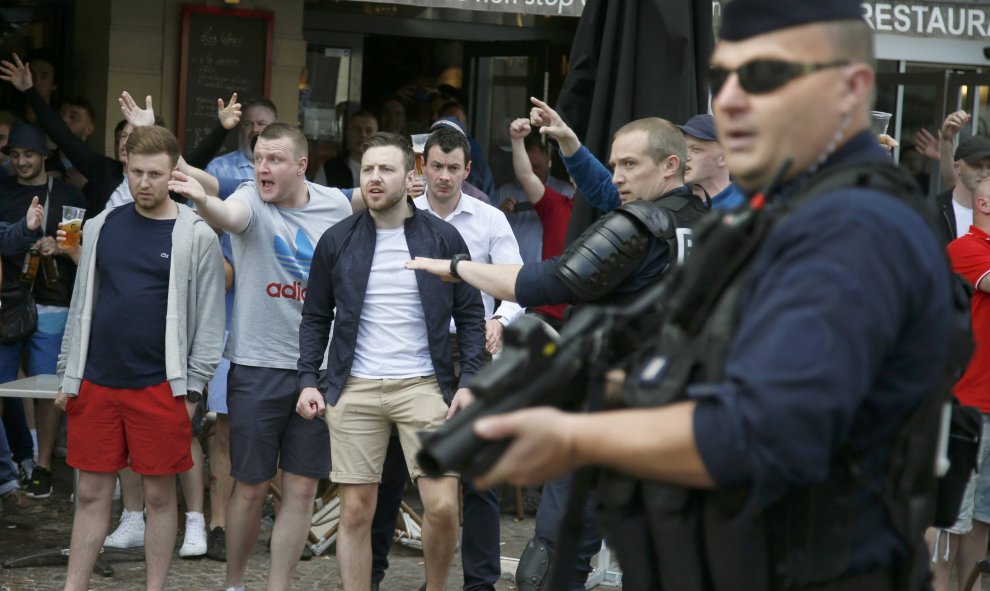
x=438, y=267
x=229, y=114
x=187, y=186
x=17, y=73
x=135, y=115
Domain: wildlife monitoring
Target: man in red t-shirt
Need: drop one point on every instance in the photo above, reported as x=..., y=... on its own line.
x=970, y=256
x=553, y=208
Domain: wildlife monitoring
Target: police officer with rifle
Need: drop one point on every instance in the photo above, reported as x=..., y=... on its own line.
x=781, y=426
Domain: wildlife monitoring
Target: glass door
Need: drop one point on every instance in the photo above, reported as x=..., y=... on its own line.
x=921, y=96
x=501, y=76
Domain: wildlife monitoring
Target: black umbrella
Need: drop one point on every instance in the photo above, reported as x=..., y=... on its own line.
x=632, y=59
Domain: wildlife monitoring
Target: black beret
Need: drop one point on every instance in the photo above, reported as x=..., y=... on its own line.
x=742, y=19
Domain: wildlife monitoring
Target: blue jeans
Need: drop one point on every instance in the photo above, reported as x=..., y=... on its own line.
x=42, y=356
x=8, y=470
x=553, y=506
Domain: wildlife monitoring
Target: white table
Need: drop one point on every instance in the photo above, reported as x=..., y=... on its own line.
x=41, y=386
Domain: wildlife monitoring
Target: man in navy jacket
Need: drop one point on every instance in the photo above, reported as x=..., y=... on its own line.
x=390, y=359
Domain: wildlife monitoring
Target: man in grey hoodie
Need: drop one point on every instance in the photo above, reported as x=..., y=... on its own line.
x=144, y=336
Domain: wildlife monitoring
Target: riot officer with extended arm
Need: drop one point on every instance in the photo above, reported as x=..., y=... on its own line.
x=618, y=257
x=624, y=252
x=784, y=423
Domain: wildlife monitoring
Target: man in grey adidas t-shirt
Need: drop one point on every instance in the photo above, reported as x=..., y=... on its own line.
x=274, y=224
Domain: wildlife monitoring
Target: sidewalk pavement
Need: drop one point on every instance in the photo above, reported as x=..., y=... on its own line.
x=53, y=530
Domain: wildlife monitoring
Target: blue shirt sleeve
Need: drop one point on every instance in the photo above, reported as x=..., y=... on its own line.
x=538, y=285
x=593, y=180
x=833, y=325
x=349, y=193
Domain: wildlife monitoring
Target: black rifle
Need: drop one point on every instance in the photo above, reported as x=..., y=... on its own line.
x=537, y=370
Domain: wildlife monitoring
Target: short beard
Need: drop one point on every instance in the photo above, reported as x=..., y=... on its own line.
x=387, y=204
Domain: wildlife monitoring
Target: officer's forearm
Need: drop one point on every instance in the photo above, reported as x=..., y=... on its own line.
x=498, y=281
x=654, y=444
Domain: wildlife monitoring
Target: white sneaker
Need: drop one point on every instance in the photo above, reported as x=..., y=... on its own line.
x=130, y=532
x=194, y=541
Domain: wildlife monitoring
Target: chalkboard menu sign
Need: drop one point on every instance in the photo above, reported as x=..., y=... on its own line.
x=223, y=51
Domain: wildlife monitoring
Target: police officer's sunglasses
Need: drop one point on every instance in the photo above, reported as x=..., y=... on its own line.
x=764, y=75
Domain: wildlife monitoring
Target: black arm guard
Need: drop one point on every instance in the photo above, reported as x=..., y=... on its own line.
x=605, y=254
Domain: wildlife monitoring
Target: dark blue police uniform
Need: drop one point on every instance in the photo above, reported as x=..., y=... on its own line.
x=833, y=350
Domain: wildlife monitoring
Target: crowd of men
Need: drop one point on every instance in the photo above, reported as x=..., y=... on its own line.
x=801, y=366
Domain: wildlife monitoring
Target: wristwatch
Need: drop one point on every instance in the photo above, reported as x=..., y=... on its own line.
x=193, y=396
x=501, y=320
x=454, y=260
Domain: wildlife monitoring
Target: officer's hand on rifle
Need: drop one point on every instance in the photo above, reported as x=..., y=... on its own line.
x=463, y=398
x=543, y=446
x=311, y=404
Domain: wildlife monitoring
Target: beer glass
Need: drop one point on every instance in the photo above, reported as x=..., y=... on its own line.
x=419, y=144
x=72, y=220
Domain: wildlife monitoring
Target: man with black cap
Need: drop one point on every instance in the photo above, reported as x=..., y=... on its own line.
x=52, y=290
x=781, y=455
x=971, y=164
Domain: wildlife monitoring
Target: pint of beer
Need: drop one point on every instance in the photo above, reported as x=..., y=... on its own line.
x=418, y=145
x=72, y=220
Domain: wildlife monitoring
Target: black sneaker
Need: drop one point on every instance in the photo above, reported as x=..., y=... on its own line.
x=40, y=484
x=216, y=545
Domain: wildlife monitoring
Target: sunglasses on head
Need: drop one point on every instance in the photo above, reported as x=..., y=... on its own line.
x=762, y=76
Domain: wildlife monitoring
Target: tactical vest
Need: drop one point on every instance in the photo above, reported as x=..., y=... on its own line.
x=672, y=538
x=610, y=249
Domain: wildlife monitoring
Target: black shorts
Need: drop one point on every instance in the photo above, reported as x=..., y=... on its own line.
x=265, y=429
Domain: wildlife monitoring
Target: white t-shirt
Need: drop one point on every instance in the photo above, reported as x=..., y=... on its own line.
x=964, y=218
x=122, y=195
x=392, y=341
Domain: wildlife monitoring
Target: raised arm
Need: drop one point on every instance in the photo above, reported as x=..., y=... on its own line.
x=531, y=184
x=231, y=215
x=145, y=117
x=88, y=161
x=228, y=116
x=951, y=127
x=551, y=124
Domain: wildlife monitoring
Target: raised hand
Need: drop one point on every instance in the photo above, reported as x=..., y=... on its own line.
x=229, y=115
x=135, y=115
x=953, y=124
x=34, y=215
x=927, y=144
x=17, y=73
x=520, y=128
x=550, y=123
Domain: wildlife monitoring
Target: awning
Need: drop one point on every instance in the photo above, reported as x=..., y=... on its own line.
x=538, y=7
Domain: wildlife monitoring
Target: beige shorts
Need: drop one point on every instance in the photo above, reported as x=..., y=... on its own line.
x=361, y=423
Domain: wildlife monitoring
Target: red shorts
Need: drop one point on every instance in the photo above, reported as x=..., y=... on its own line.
x=106, y=425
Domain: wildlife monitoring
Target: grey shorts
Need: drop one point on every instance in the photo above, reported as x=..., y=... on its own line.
x=266, y=431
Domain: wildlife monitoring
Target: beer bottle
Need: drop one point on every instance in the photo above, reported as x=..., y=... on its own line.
x=30, y=269
x=50, y=270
